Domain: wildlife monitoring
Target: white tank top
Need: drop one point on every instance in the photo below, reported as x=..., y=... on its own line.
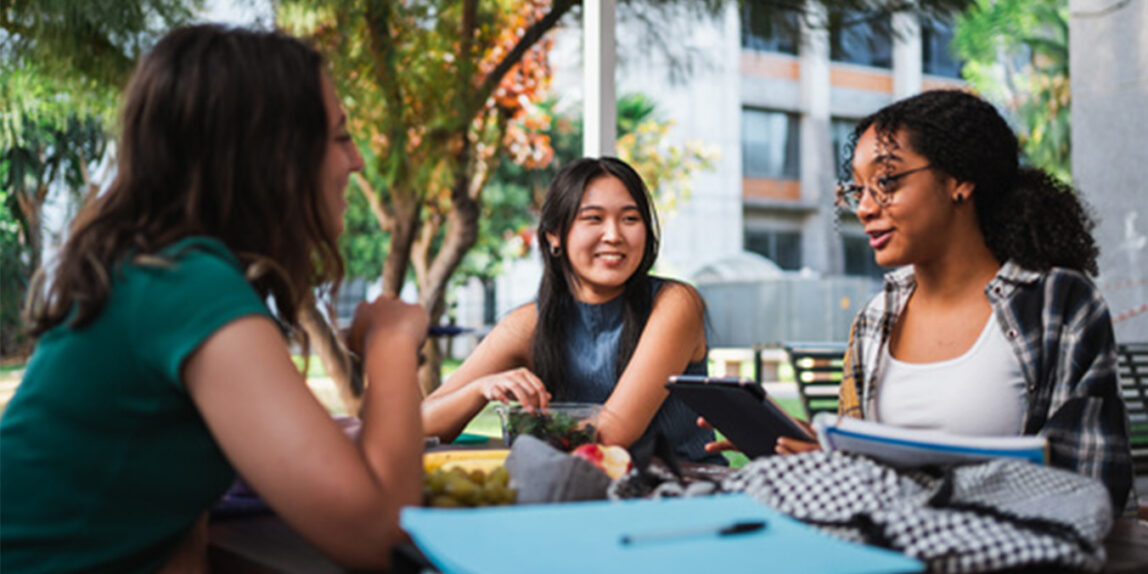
x=981, y=392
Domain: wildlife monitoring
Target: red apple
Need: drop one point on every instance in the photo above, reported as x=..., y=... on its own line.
x=612, y=460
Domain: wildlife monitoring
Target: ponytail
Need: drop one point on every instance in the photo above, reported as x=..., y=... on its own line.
x=1039, y=224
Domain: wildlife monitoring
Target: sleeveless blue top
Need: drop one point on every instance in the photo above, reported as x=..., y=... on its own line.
x=594, y=341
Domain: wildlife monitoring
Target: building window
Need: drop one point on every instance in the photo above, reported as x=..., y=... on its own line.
x=489, y=302
x=857, y=40
x=770, y=144
x=937, y=55
x=859, y=258
x=768, y=31
x=841, y=130
x=781, y=247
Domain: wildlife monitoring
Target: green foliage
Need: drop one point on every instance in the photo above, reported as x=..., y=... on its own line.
x=63, y=64
x=1016, y=54
x=63, y=59
x=363, y=243
x=14, y=274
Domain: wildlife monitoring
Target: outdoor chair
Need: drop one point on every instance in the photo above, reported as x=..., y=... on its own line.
x=1132, y=364
x=817, y=371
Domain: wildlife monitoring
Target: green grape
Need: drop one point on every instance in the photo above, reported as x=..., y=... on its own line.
x=499, y=476
x=444, y=501
x=463, y=490
x=436, y=482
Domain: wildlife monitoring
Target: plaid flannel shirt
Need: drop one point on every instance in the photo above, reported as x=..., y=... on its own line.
x=1058, y=326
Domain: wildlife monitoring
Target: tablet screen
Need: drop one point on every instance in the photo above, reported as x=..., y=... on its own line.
x=739, y=409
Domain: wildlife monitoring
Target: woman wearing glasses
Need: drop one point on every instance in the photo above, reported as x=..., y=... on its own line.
x=991, y=326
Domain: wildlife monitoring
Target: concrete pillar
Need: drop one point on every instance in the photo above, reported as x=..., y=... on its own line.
x=1108, y=63
x=906, y=55
x=821, y=246
x=599, y=102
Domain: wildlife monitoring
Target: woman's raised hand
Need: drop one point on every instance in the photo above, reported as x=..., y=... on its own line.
x=516, y=384
x=390, y=316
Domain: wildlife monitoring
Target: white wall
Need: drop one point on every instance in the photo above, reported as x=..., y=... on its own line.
x=1108, y=63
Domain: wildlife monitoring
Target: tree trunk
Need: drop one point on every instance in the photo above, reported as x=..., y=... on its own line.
x=430, y=369
x=461, y=235
x=407, y=212
x=31, y=209
x=345, y=370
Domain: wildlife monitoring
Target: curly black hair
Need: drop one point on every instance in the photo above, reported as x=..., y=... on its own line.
x=1026, y=215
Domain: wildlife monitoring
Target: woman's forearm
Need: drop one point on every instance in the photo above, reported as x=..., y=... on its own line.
x=391, y=438
x=445, y=414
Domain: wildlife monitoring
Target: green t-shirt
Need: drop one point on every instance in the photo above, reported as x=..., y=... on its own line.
x=104, y=460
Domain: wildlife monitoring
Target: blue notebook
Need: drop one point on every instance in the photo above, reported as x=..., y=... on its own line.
x=588, y=537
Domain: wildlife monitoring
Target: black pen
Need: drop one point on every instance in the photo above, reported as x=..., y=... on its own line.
x=743, y=527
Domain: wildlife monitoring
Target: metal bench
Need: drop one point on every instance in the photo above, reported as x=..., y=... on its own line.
x=1132, y=365
x=817, y=371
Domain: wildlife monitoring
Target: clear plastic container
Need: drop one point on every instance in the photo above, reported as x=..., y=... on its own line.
x=565, y=426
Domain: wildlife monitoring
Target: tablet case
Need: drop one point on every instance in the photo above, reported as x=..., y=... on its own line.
x=739, y=409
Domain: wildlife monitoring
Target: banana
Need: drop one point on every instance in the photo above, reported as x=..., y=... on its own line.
x=434, y=460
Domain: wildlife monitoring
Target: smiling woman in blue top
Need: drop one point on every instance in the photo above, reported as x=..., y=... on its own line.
x=603, y=330
x=159, y=371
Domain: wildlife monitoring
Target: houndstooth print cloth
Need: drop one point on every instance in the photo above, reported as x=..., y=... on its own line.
x=970, y=518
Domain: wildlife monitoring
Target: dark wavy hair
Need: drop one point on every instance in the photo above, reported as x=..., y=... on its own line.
x=223, y=135
x=556, y=305
x=1025, y=214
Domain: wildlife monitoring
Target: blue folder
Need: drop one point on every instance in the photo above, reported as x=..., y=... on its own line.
x=587, y=537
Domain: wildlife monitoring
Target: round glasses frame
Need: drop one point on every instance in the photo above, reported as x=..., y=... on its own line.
x=849, y=194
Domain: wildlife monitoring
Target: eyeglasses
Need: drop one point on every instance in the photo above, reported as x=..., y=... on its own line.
x=881, y=188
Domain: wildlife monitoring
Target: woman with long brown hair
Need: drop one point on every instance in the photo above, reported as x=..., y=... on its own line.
x=160, y=371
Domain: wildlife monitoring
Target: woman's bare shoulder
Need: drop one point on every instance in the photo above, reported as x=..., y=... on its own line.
x=678, y=295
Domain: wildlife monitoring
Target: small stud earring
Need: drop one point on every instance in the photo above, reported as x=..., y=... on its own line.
x=960, y=199
x=555, y=250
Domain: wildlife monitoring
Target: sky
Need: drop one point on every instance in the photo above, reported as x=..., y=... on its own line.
x=238, y=12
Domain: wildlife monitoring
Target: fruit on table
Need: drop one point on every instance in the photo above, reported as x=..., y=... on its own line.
x=613, y=460
x=458, y=488
x=485, y=459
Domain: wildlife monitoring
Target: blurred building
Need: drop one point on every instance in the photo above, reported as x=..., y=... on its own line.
x=777, y=107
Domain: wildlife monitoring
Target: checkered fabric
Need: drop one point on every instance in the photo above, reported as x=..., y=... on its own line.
x=971, y=518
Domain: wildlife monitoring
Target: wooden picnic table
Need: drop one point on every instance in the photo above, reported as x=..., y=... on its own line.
x=264, y=544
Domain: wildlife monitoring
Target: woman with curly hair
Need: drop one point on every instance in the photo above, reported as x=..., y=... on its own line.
x=991, y=326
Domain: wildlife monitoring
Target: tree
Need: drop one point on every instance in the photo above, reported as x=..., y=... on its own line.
x=1016, y=54
x=435, y=91
x=62, y=66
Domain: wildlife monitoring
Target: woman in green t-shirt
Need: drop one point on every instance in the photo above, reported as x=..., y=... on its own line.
x=159, y=370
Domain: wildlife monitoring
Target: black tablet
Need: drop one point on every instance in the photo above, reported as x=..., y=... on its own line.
x=739, y=409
